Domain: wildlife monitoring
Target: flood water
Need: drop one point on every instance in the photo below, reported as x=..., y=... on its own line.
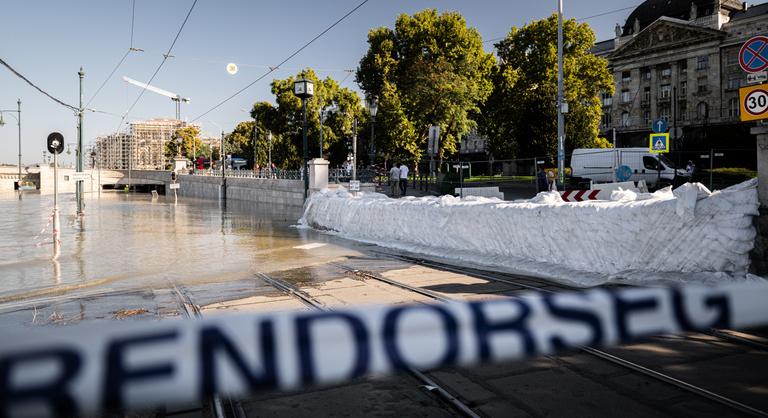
x=132, y=241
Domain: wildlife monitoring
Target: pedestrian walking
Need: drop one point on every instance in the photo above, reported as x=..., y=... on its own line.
x=394, y=180
x=403, y=178
x=541, y=180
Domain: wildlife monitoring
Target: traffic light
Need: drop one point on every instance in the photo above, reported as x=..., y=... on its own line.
x=173, y=176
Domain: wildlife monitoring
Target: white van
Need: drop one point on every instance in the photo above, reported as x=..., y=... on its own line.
x=598, y=165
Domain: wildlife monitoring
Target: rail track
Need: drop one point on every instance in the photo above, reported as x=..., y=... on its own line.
x=525, y=283
x=430, y=384
x=217, y=406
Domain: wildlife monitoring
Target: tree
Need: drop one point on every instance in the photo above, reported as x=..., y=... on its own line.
x=285, y=120
x=190, y=141
x=429, y=70
x=520, y=117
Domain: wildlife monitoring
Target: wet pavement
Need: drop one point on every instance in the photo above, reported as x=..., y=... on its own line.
x=123, y=260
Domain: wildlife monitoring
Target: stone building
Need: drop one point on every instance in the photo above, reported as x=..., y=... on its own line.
x=678, y=60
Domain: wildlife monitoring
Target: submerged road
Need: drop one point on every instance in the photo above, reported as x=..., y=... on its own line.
x=135, y=259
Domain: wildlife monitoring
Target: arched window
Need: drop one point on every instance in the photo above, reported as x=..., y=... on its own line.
x=702, y=110
x=625, y=119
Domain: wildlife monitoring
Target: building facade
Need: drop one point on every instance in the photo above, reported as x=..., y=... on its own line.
x=142, y=148
x=677, y=60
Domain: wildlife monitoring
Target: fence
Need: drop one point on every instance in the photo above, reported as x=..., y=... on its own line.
x=257, y=174
x=715, y=168
x=343, y=175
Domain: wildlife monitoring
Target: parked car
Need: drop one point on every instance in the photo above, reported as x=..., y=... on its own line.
x=599, y=165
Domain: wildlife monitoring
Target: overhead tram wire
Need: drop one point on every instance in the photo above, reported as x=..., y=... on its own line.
x=165, y=58
x=130, y=48
x=579, y=19
x=18, y=74
x=272, y=69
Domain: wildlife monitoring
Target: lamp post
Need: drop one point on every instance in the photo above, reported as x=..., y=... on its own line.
x=372, y=103
x=322, y=119
x=269, y=137
x=304, y=89
x=18, y=122
x=79, y=166
x=562, y=106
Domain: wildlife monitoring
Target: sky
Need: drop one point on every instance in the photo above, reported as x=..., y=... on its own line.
x=48, y=41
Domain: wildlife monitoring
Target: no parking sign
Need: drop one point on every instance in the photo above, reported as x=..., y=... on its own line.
x=753, y=55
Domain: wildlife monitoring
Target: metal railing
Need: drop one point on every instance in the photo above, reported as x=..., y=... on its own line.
x=254, y=174
x=341, y=175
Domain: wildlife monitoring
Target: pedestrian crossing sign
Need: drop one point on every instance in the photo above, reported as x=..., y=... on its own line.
x=659, y=143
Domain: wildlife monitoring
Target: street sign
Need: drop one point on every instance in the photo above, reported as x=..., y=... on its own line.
x=757, y=78
x=623, y=173
x=659, y=126
x=55, y=143
x=753, y=55
x=433, y=144
x=461, y=166
x=354, y=185
x=754, y=102
x=175, y=186
x=80, y=176
x=659, y=143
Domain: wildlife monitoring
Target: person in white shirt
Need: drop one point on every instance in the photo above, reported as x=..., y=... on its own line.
x=403, y=178
x=394, y=180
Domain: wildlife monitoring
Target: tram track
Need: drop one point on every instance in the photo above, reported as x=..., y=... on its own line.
x=740, y=337
x=219, y=407
x=603, y=355
x=430, y=384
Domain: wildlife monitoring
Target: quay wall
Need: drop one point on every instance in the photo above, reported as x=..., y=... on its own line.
x=272, y=191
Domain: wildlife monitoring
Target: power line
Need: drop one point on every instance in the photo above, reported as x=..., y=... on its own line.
x=130, y=48
x=607, y=13
x=165, y=58
x=345, y=78
x=578, y=19
x=5, y=64
x=109, y=76
x=272, y=69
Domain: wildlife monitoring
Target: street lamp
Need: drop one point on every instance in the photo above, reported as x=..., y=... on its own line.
x=372, y=103
x=322, y=117
x=18, y=122
x=269, y=137
x=304, y=89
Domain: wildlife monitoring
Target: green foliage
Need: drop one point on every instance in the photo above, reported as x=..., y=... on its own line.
x=746, y=173
x=599, y=142
x=285, y=121
x=190, y=141
x=520, y=117
x=429, y=70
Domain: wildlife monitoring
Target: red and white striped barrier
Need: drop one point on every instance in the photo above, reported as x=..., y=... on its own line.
x=579, y=195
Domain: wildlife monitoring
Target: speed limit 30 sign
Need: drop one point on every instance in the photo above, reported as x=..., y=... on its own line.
x=754, y=102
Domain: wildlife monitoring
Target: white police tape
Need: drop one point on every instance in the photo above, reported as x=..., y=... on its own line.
x=88, y=368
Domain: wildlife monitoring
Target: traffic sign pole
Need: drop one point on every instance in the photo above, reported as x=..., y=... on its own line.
x=55, y=143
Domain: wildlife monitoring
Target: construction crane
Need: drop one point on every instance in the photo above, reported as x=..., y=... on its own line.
x=175, y=97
